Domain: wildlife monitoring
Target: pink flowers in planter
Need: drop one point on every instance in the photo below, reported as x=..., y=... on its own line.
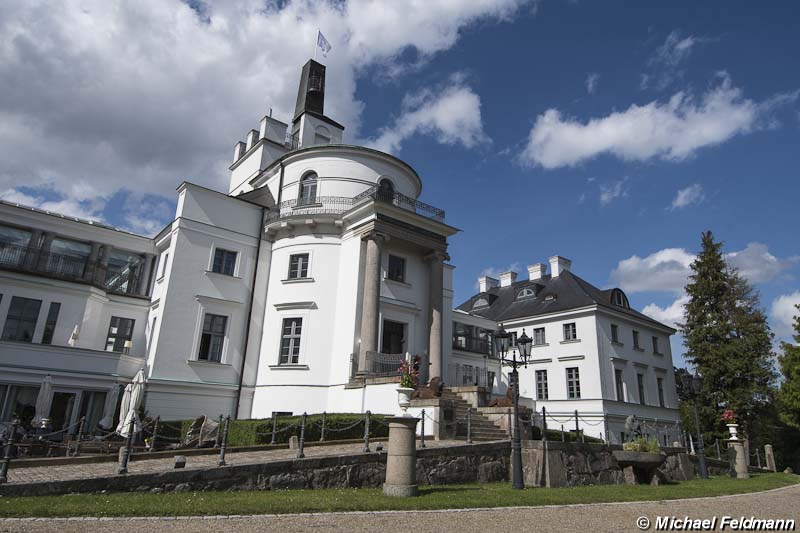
x=409, y=375
x=728, y=416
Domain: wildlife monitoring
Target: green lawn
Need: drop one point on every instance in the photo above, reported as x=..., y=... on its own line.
x=437, y=497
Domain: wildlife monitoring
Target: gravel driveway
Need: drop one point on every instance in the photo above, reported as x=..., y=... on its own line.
x=775, y=504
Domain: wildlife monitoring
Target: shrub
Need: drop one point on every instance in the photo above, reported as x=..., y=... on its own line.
x=642, y=444
x=259, y=431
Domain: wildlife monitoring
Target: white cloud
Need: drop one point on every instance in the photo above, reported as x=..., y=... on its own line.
x=693, y=194
x=87, y=209
x=672, y=131
x=612, y=190
x=666, y=270
x=452, y=115
x=757, y=264
x=494, y=272
x=666, y=62
x=782, y=313
x=101, y=95
x=672, y=315
x=591, y=82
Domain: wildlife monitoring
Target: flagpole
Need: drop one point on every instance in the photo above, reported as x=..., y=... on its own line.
x=316, y=45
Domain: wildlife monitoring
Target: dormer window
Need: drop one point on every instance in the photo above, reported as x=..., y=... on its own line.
x=618, y=298
x=386, y=190
x=527, y=292
x=480, y=302
x=308, y=189
x=549, y=297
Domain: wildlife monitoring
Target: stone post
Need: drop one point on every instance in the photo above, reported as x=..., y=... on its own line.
x=44, y=252
x=770, y=456
x=741, y=459
x=401, y=458
x=370, y=309
x=29, y=256
x=101, y=267
x=435, y=295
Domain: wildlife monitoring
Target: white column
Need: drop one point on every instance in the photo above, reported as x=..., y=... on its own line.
x=436, y=289
x=370, y=309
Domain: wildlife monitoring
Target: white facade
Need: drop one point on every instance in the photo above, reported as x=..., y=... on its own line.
x=300, y=290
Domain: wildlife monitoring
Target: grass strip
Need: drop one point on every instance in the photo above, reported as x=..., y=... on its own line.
x=331, y=500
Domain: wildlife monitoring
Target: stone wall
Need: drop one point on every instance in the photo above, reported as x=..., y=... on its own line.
x=569, y=464
x=468, y=463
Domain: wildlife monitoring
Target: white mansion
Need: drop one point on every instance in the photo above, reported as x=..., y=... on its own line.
x=301, y=289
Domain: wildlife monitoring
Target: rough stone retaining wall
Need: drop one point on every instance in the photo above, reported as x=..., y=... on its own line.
x=485, y=462
x=568, y=464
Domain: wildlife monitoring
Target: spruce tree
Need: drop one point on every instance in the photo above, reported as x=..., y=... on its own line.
x=727, y=339
x=789, y=394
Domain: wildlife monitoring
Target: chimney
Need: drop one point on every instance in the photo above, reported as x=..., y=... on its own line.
x=238, y=151
x=558, y=265
x=536, y=271
x=507, y=278
x=252, y=138
x=485, y=283
x=273, y=129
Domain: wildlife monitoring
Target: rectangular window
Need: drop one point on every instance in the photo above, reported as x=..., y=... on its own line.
x=298, y=266
x=614, y=333
x=290, y=341
x=152, y=333
x=573, y=383
x=212, y=340
x=397, y=269
x=655, y=345
x=50, y=325
x=660, y=382
x=541, y=385
x=640, y=383
x=636, y=340
x=23, y=313
x=224, y=262
x=164, y=259
x=119, y=331
x=570, y=332
x=538, y=337
x=618, y=385
x=394, y=337
x=490, y=379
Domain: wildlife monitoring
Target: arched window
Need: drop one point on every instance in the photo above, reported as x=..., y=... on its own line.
x=480, y=302
x=308, y=189
x=386, y=190
x=527, y=292
x=618, y=298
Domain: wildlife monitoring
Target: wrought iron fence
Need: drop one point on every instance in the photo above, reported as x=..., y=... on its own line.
x=466, y=376
x=321, y=205
x=472, y=344
x=384, y=364
x=381, y=194
x=30, y=260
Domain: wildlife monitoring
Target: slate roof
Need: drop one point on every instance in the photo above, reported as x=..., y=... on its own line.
x=569, y=291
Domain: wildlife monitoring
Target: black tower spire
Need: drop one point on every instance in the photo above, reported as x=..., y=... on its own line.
x=311, y=94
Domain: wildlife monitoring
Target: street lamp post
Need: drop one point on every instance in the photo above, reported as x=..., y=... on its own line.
x=693, y=384
x=507, y=355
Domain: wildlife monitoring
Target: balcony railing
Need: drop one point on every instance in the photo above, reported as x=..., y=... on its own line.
x=470, y=376
x=29, y=260
x=472, y=344
x=378, y=364
x=336, y=205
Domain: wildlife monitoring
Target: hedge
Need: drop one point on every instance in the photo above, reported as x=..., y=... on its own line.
x=259, y=431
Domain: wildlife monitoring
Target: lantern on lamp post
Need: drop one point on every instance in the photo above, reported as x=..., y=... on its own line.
x=514, y=355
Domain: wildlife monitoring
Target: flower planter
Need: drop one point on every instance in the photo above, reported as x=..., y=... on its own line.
x=404, y=398
x=734, y=429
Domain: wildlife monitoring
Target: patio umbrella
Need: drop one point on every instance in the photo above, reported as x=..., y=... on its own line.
x=133, y=394
x=43, y=401
x=110, y=407
x=74, y=336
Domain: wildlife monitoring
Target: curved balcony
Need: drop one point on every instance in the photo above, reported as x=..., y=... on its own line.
x=337, y=205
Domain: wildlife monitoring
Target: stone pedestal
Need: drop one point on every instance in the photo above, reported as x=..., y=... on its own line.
x=401, y=458
x=741, y=459
x=770, y=456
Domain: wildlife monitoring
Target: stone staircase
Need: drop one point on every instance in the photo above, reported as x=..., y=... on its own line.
x=482, y=428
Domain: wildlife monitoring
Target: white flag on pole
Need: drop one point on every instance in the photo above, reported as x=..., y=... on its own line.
x=323, y=44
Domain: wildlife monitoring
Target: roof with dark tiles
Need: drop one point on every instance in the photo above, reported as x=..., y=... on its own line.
x=552, y=294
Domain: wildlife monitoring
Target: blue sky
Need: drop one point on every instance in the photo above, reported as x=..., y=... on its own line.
x=611, y=133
